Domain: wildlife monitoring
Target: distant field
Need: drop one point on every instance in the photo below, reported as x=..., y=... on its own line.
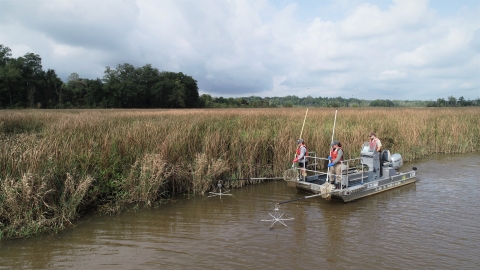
x=55, y=162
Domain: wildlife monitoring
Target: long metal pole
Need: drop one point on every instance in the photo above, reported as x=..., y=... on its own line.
x=261, y=178
x=303, y=198
x=301, y=133
x=333, y=133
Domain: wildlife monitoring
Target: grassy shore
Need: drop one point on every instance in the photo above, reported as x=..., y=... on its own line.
x=55, y=163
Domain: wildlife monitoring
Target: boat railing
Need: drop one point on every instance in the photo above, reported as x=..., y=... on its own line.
x=349, y=166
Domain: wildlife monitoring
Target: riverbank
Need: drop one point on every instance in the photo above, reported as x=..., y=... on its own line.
x=54, y=163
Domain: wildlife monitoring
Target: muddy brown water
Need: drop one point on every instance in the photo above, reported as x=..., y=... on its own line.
x=432, y=224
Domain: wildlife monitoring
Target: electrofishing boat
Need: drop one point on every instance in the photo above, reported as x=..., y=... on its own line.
x=369, y=174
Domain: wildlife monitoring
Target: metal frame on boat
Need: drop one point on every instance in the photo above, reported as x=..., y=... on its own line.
x=369, y=174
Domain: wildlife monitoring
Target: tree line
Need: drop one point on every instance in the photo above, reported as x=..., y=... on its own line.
x=24, y=84
x=208, y=101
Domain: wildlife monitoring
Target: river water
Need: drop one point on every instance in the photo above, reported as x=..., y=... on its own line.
x=431, y=224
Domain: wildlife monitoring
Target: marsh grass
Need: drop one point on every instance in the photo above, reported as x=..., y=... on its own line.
x=54, y=164
x=145, y=181
x=32, y=204
x=205, y=171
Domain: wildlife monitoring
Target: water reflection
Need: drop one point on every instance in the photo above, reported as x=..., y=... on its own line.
x=432, y=224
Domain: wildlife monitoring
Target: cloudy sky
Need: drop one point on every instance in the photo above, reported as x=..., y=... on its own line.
x=367, y=49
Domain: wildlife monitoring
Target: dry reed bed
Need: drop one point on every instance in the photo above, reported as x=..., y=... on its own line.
x=55, y=163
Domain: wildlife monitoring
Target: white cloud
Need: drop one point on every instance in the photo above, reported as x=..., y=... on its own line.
x=449, y=48
x=391, y=74
x=408, y=49
x=466, y=85
x=369, y=20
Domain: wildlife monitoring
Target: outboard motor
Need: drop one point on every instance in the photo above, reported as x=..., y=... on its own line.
x=371, y=158
x=396, y=161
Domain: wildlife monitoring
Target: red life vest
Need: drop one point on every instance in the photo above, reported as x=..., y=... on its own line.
x=334, y=153
x=298, y=150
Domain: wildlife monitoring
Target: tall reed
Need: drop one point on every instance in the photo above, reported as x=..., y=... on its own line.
x=55, y=163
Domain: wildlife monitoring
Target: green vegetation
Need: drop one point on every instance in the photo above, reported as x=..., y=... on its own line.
x=208, y=101
x=24, y=84
x=54, y=164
